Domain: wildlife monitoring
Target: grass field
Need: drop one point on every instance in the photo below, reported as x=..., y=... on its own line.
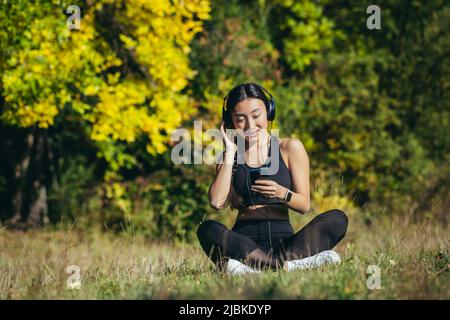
x=414, y=262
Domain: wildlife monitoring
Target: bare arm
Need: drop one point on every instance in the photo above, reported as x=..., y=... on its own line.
x=220, y=188
x=299, y=166
x=299, y=171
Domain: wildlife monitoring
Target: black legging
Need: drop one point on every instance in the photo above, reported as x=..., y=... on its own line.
x=249, y=240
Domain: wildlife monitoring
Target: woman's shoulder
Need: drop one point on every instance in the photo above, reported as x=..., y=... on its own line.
x=291, y=144
x=293, y=148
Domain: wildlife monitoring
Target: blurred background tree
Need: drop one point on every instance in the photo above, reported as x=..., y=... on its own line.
x=118, y=81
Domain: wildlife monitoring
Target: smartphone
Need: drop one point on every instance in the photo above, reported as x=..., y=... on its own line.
x=255, y=174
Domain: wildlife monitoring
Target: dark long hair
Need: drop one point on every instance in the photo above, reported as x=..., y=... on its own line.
x=236, y=95
x=243, y=91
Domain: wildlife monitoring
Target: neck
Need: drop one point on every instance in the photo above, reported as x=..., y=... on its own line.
x=257, y=150
x=262, y=141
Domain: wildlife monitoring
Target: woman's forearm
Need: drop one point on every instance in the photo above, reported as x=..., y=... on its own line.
x=299, y=202
x=220, y=188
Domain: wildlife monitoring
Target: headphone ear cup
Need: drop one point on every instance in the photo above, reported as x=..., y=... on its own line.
x=271, y=111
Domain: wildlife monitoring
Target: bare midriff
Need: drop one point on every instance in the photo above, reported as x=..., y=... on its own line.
x=258, y=212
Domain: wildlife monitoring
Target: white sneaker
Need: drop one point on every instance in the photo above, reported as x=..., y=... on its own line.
x=324, y=257
x=235, y=267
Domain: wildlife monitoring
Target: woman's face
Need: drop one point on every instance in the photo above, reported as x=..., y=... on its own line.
x=250, y=118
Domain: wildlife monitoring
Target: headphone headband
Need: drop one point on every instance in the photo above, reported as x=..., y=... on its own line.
x=270, y=108
x=259, y=86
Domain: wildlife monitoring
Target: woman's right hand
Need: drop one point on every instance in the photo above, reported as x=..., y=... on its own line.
x=219, y=191
x=230, y=146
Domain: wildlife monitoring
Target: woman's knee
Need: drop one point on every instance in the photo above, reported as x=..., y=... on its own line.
x=334, y=221
x=208, y=228
x=339, y=222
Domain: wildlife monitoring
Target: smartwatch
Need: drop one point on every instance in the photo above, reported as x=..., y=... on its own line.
x=288, y=196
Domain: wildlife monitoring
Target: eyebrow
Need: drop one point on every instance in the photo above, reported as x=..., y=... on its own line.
x=243, y=114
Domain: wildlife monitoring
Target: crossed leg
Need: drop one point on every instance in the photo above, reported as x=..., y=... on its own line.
x=218, y=242
x=320, y=234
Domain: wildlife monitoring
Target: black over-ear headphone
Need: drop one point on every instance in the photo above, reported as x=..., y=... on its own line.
x=226, y=115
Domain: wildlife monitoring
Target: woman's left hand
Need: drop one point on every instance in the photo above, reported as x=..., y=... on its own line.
x=269, y=188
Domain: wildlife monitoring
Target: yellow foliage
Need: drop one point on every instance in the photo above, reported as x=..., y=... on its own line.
x=327, y=194
x=57, y=66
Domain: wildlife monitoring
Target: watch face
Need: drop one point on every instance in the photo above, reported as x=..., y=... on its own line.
x=289, y=196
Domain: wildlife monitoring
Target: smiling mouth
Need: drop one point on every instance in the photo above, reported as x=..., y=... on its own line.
x=252, y=134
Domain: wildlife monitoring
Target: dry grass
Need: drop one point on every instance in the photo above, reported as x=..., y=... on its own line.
x=413, y=260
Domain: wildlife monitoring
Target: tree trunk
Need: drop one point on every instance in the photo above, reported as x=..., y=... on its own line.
x=38, y=209
x=29, y=183
x=21, y=170
x=36, y=183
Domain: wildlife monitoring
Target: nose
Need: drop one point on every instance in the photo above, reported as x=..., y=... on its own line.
x=250, y=124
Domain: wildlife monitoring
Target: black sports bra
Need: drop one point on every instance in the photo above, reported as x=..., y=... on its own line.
x=242, y=183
